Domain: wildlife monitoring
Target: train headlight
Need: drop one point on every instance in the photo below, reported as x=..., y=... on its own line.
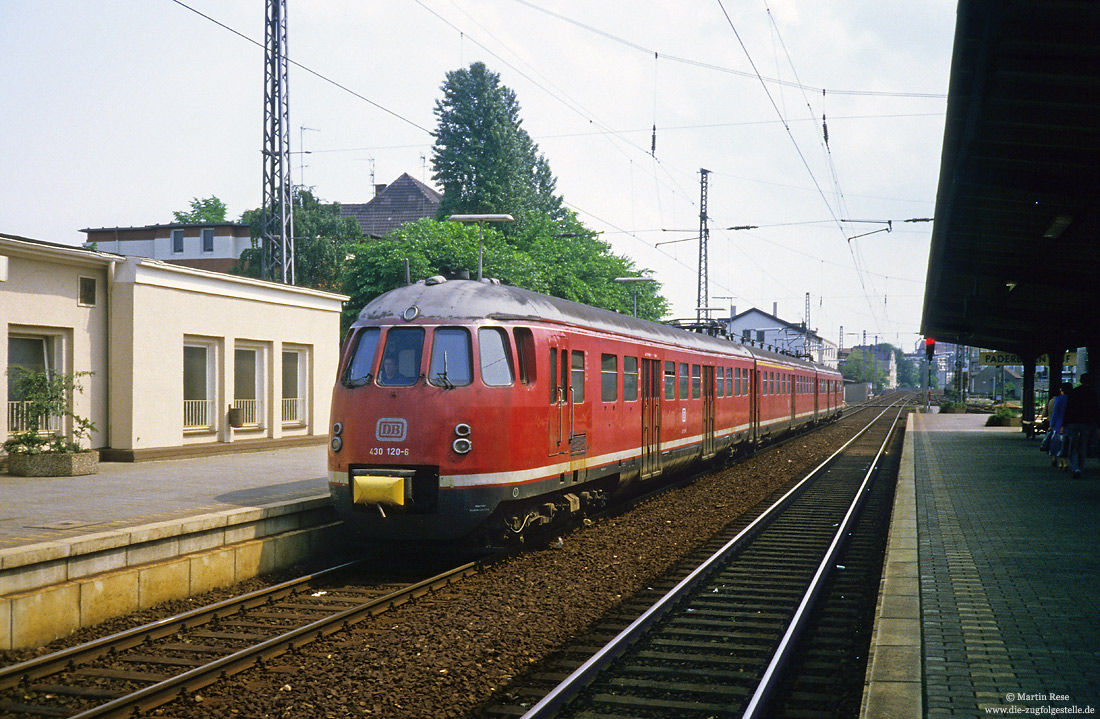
x=462, y=429
x=462, y=445
x=337, y=444
x=337, y=428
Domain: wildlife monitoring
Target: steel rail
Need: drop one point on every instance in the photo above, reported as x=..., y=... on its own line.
x=584, y=674
x=164, y=691
x=48, y=664
x=768, y=682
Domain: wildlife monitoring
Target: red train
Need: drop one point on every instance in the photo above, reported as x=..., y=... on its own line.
x=469, y=408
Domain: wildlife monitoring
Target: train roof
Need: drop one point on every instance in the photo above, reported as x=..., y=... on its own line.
x=470, y=300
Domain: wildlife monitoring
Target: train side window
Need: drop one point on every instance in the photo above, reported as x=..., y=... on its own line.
x=719, y=385
x=609, y=378
x=630, y=379
x=359, y=368
x=525, y=354
x=737, y=381
x=670, y=380
x=553, y=375
x=401, y=357
x=684, y=380
x=696, y=381
x=496, y=357
x=451, y=364
x=729, y=382
x=576, y=376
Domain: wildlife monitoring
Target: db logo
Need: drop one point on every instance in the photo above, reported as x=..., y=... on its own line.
x=390, y=429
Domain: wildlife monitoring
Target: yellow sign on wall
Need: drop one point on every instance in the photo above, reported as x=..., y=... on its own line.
x=1001, y=359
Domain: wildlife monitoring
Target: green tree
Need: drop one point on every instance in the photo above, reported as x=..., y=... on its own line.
x=483, y=159
x=322, y=237
x=862, y=367
x=571, y=264
x=204, y=211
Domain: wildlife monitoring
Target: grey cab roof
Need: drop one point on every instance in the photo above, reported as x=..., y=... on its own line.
x=473, y=301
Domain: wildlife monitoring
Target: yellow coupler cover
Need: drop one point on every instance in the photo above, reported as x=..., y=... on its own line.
x=389, y=491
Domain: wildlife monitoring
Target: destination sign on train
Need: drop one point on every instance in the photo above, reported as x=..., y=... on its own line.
x=998, y=359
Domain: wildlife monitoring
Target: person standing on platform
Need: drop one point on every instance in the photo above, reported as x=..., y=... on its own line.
x=1056, y=415
x=1080, y=422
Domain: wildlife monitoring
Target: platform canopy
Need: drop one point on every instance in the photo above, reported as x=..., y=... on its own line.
x=1015, y=257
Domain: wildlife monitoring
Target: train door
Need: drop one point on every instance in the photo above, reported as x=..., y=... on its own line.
x=817, y=397
x=651, y=418
x=708, y=411
x=558, y=417
x=792, y=395
x=754, y=403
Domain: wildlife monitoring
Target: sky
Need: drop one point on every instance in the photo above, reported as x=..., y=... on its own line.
x=119, y=112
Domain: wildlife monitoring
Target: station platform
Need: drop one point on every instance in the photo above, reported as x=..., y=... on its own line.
x=123, y=494
x=990, y=599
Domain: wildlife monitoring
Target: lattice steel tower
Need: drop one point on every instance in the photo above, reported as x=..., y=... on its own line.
x=704, y=237
x=278, y=207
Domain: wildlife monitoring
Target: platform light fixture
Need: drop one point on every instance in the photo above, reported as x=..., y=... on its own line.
x=633, y=283
x=479, y=219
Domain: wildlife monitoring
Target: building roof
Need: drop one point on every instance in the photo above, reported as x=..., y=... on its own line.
x=781, y=323
x=406, y=199
x=167, y=226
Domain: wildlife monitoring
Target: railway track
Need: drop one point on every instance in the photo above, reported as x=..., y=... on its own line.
x=150, y=665
x=717, y=642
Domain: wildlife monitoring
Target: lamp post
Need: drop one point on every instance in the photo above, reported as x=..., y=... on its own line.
x=480, y=219
x=632, y=281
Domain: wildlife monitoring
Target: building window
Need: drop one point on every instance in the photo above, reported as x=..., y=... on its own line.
x=208, y=240
x=87, y=295
x=609, y=378
x=27, y=354
x=198, y=401
x=177, y=241
x=248, y=386
x=295, y=371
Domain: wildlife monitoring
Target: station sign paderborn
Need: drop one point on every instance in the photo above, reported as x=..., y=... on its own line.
x=1000, y=359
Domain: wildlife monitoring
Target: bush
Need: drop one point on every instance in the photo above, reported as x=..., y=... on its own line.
x=46, y=395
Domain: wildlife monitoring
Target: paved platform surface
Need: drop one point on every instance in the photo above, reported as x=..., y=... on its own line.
x=42, y=509
x=1008, y=555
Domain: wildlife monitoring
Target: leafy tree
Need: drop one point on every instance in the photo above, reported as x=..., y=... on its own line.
x=572, y=264
x=483, y=159
x=204, y=211
x=862, y=367
x=322, y=237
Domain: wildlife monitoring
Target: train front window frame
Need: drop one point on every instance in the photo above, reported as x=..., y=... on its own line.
x=450, y=364
x=405, y=348
x=495, y=356
x=361, y=358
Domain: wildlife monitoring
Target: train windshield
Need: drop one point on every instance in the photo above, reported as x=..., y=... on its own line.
x=451, y=365
x=362, y=359
x=401, y=358
x=496, y=361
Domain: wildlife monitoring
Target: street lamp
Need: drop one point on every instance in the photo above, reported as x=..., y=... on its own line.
x=633, y=280
x=480, y=219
